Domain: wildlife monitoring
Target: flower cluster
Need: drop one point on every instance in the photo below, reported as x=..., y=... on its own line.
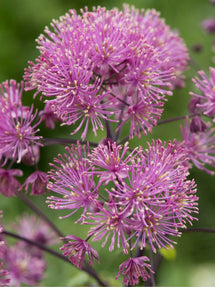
x=141, y=199
x=93, y=66
x=112, y=69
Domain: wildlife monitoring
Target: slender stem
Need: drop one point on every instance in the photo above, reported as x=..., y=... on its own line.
x=120, y=120
x=85, y=268
x=32, y=206
x=175, y=119
x=200, y=229
x=62, y=141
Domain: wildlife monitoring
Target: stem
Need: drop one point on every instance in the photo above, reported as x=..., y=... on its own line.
x=200, y=229
x=62, y=141
x=31, y=205
x=87, y=268
x=176, y=119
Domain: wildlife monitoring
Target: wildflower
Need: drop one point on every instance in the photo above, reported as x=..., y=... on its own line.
x=129, y=51
x=35, y=229
x=209, y=25
x=110, y=221
x=199, y=147
x=76, y=249
x=38, y=182
x=197, y=125
x=11, y=95
x=4, y=280
x=49, y=117
x=69, y=178
x=31, y=156
x=23, y=267
x=110, y=162
x=205, y=100
x=17, y=132
x=142, y=115
x=133, y=269
x=8, y=183
x=157, y=194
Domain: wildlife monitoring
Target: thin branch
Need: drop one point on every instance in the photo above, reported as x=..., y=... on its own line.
x=64, y=141
x=176, y=119
x=199, y=229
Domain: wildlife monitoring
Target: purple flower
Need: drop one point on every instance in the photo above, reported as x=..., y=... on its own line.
x=71, y=181
x=205, y=101
x=130, y=52
x=17, y=132
x=111, y=162
x=199, y=147
x=23, y=267
x=49, y=117
x=38, y=181
x=76, y=249
x=157, y=194
x=8, y=183
x=31, y=156
x=133, y=269
x=142, y=116
x=110, y=221
x=11, y=95
x=209, y=25
x=35, y=229
x=4, y=280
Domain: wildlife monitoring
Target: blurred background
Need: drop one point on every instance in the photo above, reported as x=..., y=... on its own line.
x=21, y=22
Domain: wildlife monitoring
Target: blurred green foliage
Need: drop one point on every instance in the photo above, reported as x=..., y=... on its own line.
x=21, y=22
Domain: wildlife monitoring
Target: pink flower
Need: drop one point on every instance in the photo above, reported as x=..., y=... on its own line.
x=8, y=183
x=17, y=132
x=49, y=117
x=110, y=162
x=199, y=147
x=70, y=180
x=130, y=51
x=38, y=182
x=209, y=25
x=23, y=267
x=76, y=250
x=36, y=229
x=205, y=101
x=133, y=269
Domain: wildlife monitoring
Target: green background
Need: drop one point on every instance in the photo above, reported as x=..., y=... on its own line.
x=21, y=22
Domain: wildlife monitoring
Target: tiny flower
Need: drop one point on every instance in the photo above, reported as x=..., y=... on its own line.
x=111, y=161
x=49, y=117
x=23, y=267
x=34, y=228
x=70, y=180
x=142, y=116
x=76, y=249
x=205, y=101
x=17, y=132
x=199, y=147
x=209, y=25
x=38, y=182
x=31, y=156
x=133, y=269
x=110, y=221
x=8, y=183
x=11, y=94
x=197, y=125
